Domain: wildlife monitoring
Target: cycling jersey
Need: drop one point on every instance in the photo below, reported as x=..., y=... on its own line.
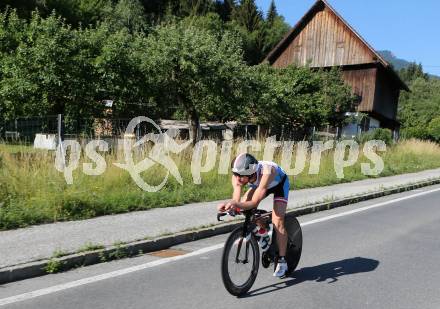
x=279, y=186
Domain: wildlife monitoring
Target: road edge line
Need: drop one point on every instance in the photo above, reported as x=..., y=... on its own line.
x=38, y=268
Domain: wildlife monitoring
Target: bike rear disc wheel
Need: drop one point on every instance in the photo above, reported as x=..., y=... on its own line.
x=294, y=243
x=239, y=276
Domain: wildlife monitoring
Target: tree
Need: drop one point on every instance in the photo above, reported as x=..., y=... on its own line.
x=196, y=71
x=210, y=22
x=23, y=8
x=337, y=96
x=76, y=12
x=259, y=36
x=225, y=8
x=56, y=69
x=183, y=8
x=91, y=12
x=196, y=7
x=418, y=107
x=127, y=14
x=412, y=72
x=119, y=76
x=434, y=129
x=35, y=75
x=299, y=97
x=191, y=67
x=274, y=32
x=247, y=15
x=248, y=22
x=271, y=13
x=11, y=31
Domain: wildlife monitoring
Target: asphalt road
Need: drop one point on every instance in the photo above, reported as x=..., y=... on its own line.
x=383, y=257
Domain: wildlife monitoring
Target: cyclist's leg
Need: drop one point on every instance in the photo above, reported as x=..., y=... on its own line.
x=278, y=213
x=281, y=196
x=248, y=197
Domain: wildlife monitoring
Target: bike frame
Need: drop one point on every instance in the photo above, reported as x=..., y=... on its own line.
x=251, y=217
x=245, y=232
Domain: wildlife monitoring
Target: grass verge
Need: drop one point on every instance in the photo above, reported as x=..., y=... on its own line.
x=32, y=191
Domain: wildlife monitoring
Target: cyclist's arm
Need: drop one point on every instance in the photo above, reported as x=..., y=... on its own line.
x=247, y=196
x=236, y=195
x=260, y=193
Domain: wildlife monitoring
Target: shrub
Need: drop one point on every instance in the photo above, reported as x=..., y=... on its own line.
x=434, y=129
x=377, y=134
x=417, y=132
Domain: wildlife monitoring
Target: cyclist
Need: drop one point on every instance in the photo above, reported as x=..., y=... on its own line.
x=263, y=178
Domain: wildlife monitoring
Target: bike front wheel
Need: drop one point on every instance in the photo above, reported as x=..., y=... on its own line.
x=240, y=262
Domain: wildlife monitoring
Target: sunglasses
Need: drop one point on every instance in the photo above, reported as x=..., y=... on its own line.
x=238, y=175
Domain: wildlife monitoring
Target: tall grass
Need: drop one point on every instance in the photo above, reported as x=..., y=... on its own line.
x=32, y=191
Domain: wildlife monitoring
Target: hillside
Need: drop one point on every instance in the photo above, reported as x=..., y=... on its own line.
x=398, y=63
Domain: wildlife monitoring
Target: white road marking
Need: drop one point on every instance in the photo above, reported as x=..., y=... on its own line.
x=117, y=273
x=347, y=213
x=121, y=272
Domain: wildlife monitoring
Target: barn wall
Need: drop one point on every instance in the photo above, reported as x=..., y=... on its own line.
x=386, y=96
x=323, y=41
x=363, y=84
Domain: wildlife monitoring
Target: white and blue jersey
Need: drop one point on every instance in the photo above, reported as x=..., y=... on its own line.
x=279, y=186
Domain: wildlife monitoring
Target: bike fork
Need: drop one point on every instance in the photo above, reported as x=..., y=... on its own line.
x=246, y=240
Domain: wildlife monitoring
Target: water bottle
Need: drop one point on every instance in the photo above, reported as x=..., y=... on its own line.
x=264, y=235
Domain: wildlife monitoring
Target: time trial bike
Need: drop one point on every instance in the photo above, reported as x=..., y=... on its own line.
x=241, y=253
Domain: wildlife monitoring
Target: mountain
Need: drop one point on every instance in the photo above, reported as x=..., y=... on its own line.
x=392, y=59
x=398, y=63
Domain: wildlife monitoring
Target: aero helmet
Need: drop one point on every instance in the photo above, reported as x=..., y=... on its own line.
x=244, y=165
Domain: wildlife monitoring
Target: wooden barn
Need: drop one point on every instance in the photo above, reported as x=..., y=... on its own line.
x=323, y=39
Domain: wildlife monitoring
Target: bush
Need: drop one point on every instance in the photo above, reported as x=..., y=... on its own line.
x=377, y=134
x=434, y=129
x=417, y=132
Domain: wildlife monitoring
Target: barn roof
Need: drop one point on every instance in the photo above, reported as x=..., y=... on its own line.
x=319, y=5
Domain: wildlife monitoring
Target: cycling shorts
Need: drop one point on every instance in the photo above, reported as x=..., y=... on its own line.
x=280, y=191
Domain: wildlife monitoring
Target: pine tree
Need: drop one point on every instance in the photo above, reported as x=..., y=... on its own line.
x=195, y=7
x=224, y=8
x=23, y=7
x=275, y=28
x=248, y=16
x=272, y=13
x=412, y=72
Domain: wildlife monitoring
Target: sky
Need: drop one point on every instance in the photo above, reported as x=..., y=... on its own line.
x=409, y=29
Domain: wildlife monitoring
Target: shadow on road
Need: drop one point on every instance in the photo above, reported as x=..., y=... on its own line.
x=329, y=273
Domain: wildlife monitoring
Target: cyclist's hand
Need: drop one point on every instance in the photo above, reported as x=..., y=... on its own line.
x=230, y=205
x=221, y=207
